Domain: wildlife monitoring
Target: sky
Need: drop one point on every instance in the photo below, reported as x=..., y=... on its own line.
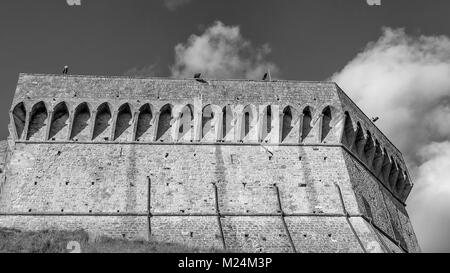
x=392, y=59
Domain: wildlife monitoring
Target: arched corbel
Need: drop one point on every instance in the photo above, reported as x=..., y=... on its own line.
x=92, y=124
x=377, y=160
x=393, y=175
x=113, y=127
x=260, y=125
x=406, y=189
x=386, y=169
x=155, y=124
x=71, y=120
x=27, y=125
x=369, y=151
x=48, y=124
x=300, y=127
x=175, y=125
x=280, y=125
x=400, y=183
x=238, y=119
x=134, y=123
x=219, y=125
x=360, y=142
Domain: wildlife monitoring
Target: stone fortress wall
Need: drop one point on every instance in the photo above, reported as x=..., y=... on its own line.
x=241, y=165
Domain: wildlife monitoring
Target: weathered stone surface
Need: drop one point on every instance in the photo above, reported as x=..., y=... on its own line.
x=253, y=166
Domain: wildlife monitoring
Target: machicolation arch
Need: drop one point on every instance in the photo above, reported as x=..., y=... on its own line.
x=228, y=123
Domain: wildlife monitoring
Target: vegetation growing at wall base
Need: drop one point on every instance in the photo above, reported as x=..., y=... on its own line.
x=56, y=241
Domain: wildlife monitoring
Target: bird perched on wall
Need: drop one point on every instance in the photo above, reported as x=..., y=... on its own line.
x=267, y=76
x=65, y=69
x=197, y=77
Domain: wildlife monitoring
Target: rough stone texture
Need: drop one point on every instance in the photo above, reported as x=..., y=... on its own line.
x=3, y=155
x=250, y=166
x=322, y=234
x=255, y=234
x=128, y=227
x=193, y=231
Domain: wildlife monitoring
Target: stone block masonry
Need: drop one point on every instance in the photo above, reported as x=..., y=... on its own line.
x=247, y=166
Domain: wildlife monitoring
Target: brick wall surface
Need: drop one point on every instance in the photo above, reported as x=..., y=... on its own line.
x=304, y=193
x=377, y=204
x=115, y=179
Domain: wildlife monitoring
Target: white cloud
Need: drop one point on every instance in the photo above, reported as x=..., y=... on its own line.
x=430, y=204
x=405, y=80
x=221, y=52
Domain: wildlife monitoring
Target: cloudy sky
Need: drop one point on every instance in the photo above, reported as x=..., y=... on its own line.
x=393, y=60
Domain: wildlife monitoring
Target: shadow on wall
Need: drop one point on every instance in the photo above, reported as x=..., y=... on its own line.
x=164, y=123
x=143, y=131
x=19, y=117
x=102, y=122
x=224, y=124
x=80, y=129
x=123, y=123
x=38, y=118
x=59, y=125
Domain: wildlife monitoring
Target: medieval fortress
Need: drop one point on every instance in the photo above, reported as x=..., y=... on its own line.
x=240, y=165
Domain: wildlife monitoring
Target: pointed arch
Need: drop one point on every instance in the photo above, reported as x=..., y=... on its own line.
x=359, y=139
x=227, y=123
x=406, y=189
x=247, y=120
x=369, y=149
x=326, y=121
x=19, y=114
x=38, y=119
x=348, y=133
x=123, y=129
x=386, y=168
x=186, y=125
x=393, y=174
x=287, y=124
x=59, y=124
x=266, y=123
x=247, y=123
x=401, y=179
x=102, y=125
x=143, y=127
x=377, y=158
x=81, y=121
x=208, y=126
x=164, y=123
x=306, y=123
